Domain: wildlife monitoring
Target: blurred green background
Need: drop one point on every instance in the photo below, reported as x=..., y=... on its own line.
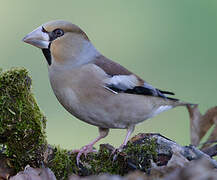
x=172, y=44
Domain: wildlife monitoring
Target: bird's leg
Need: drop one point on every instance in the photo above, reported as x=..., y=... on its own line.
x=129, y=132
x=103, y=132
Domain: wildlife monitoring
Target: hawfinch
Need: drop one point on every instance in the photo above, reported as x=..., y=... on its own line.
x=92, y=87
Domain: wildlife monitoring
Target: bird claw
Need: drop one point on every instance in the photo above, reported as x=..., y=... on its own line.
x=84, y=150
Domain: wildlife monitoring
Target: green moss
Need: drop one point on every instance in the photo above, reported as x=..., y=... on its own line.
x=137, y=154
x=62, y=163
x=102, y=162
x=141, y=154
x=22, y=125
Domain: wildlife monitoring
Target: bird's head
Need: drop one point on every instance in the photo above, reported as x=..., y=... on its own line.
x=60, y=41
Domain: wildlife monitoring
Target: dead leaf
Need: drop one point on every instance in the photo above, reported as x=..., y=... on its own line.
x=211, y=151
x=212, y=139
x=34, y=174
x=200, y=124
x=137, y=175
x=99, y=177
x=5, y=170
x=196, y=170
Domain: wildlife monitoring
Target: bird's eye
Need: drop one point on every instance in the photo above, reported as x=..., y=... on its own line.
x=58, y=32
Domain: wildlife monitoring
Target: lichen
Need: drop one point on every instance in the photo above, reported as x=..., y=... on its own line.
x=22, y=125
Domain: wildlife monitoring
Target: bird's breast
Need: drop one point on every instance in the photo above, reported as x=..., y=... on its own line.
x=81, y=92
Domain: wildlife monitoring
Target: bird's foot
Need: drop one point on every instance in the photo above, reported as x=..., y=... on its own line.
x=84, y=150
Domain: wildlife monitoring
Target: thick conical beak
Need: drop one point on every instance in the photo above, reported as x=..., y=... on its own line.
x=38, y=38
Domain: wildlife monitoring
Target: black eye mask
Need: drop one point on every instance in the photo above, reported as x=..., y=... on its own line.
x=55, y=34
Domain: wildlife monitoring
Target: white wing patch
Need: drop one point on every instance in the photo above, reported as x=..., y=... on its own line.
x=123, y=82
x=161, y=109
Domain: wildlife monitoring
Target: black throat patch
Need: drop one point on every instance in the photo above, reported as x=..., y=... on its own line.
x=47, y=55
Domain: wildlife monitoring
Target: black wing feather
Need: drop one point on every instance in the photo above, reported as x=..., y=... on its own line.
x=141, y=90
x=166, y=92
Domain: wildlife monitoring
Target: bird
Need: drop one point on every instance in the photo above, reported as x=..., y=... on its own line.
x=94, y=88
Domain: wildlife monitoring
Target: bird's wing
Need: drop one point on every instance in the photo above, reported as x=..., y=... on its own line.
x=121, y=80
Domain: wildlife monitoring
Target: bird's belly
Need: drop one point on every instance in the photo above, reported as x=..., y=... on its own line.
x=105, y=110
x=92, y=112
